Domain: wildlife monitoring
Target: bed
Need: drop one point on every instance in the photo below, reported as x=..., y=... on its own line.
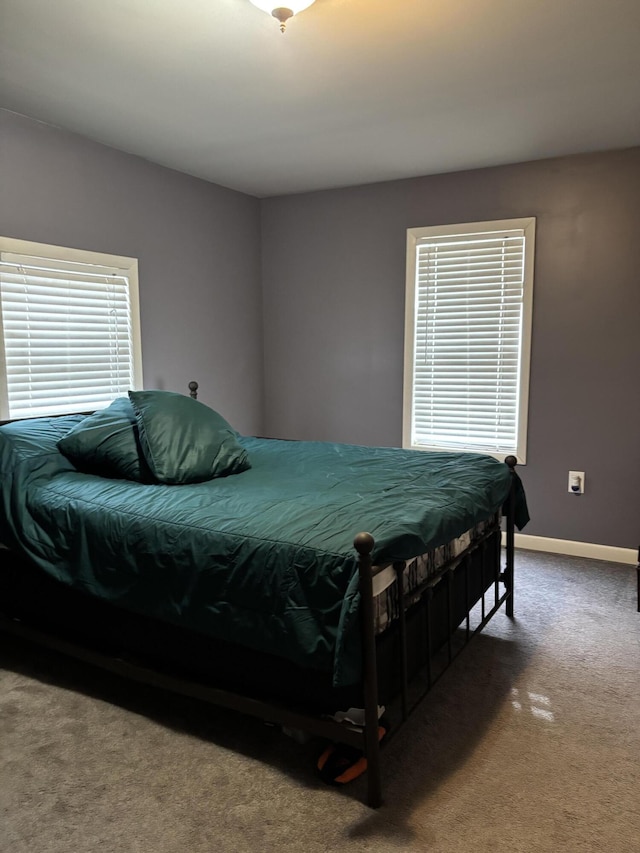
x=249, y=581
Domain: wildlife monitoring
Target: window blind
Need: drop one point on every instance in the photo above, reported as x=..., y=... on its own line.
x=67, y=335
x=468, y=329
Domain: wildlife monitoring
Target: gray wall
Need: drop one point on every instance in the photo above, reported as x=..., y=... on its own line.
x=334, y=277
x=198, y=247
x=333, y=290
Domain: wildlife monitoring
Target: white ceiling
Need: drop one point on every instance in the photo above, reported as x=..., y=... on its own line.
x=355, y=91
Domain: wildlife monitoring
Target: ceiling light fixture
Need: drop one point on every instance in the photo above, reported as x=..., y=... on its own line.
x=283, y=13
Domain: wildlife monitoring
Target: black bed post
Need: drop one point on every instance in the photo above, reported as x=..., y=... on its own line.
x=363, y=544
x=511, y=461
x=193, y=390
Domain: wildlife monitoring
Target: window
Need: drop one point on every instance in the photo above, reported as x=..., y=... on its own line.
x=69, y=328
x=467, y=337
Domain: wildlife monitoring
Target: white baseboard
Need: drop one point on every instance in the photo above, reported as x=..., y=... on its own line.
x=575, y=549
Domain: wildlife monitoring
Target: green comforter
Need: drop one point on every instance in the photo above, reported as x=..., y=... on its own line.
x=263, y=558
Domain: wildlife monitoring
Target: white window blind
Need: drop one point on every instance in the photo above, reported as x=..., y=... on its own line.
x=67, y=335
x=468, y=297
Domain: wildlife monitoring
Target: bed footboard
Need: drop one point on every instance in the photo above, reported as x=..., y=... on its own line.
x=364, y=544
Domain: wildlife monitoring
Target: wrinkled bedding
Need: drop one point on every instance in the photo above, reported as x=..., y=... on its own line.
x=263, y=558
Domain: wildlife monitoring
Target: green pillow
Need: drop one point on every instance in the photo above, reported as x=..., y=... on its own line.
x=184, y=441
x=106, y=443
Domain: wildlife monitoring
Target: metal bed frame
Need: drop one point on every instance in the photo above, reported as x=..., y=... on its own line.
x=365, y=738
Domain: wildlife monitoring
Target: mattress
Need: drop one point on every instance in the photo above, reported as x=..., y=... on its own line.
x=264, y=558
x=420, y=570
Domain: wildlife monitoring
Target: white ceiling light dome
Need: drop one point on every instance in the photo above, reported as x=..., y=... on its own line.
x=283, y=12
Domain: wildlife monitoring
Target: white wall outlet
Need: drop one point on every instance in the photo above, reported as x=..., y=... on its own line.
x=576, y=482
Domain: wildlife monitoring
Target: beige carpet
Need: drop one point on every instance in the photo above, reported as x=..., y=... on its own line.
x=531, y=742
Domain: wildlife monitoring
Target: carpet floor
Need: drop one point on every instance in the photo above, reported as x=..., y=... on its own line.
x=530, y=742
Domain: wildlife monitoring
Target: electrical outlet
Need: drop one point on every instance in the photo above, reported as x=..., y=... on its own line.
x=576, y=482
